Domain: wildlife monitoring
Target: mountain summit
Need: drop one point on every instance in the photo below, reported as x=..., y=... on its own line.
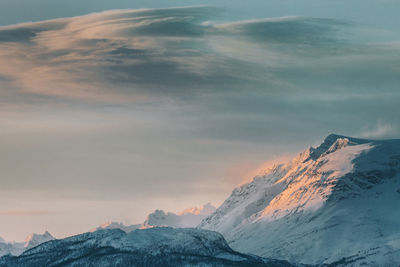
x=338, y=202
x=36, y=239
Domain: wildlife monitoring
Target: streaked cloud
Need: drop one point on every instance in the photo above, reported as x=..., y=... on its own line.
x=303, y=31
x=165, y=74
x=135, y=55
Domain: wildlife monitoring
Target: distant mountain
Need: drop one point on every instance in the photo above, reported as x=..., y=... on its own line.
x=187, y=218
x=34, y=240
x=147, y=247
x=10, y=248
x=338, y=203
x=16, y=248
x=190, y=217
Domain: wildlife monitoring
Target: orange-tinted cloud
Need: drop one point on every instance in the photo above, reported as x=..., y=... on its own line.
x=137, y=55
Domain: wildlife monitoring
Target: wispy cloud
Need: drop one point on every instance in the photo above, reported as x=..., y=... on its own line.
x=380, y=130
x=136, y=55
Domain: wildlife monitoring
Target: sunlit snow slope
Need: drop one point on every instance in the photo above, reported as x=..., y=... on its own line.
x=337, y=203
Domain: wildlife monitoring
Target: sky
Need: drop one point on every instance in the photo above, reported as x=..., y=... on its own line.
x=112, y=109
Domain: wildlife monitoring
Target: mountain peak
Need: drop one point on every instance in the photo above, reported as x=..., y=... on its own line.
x=334, y=142
x=332, y=138
x=36, y=239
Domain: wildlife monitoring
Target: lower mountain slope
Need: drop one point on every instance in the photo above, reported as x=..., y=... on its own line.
x=148, y=247
x=338, y=203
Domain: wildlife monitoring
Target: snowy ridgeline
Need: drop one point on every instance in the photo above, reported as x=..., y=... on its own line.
x=145, y=247
x=187, y=218
x=338, y=203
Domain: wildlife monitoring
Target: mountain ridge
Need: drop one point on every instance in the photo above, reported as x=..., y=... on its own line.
x=302, y=206
x=160, y=246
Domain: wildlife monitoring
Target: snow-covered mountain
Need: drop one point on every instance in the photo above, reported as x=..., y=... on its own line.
x=10, y=248
x=337, y=203
x=187, y=218
x=34, y=240
x=16, y=248
x=147, y=247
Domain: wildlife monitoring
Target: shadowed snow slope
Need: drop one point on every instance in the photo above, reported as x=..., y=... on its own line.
x=148, y=247
x=338, y=202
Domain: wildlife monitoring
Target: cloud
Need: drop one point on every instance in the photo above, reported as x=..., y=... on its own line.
x=380, y=130
x=83, y=57
x=242, y=80
x=139, y=55
x=25, y=32
x=290, y=30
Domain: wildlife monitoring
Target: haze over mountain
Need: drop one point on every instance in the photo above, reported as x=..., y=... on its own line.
x=337, y=203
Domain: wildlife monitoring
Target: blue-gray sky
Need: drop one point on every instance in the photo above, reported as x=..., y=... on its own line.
x=111, y=115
